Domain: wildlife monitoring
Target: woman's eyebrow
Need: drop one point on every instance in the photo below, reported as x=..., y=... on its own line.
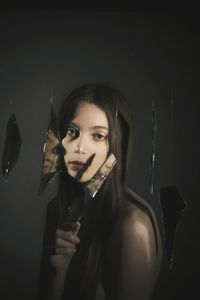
x=91, y=128
x=99, y=127
x=74, y=125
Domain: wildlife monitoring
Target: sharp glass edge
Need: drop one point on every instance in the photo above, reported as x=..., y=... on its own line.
x=153, y=152
x=96, y=183
x=10, y=163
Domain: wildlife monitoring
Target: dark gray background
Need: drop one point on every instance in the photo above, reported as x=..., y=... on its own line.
x=146, y=54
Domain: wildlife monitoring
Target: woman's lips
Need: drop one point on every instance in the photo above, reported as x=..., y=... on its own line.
x=77, y=165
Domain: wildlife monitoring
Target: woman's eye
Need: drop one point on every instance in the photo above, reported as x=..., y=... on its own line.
x=99, y=137
x=55, y=149
x=72, y=132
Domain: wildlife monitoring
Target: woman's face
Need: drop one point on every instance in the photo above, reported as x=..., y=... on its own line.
x=86, y=141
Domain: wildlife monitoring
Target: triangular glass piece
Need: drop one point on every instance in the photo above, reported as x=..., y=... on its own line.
x=51, y=152
x=172, y=205
x=12, y=146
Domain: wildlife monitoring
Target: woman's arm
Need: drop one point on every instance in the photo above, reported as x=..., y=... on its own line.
x=140, y=257
x=56, y=285
x=134, y=258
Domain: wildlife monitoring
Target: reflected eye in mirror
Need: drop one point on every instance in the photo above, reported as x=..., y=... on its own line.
x=51, y=152
x=12, y=147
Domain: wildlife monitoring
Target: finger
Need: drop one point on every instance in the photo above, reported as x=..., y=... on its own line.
x=68, y=236
x=65, y=244
x=76, y=227
x=65, y=251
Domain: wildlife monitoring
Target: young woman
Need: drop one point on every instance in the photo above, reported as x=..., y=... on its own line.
x=115, y=251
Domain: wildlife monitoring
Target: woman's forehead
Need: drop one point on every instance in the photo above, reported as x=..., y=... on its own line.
x=90, y=114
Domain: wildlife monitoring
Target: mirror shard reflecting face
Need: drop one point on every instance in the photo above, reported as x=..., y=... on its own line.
x=51, y=152
x=172, y=205
x=12, y=147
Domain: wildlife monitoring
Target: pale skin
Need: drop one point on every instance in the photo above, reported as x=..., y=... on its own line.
x=86, y=135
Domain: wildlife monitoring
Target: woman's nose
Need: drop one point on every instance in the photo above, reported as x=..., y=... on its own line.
x=80, y=145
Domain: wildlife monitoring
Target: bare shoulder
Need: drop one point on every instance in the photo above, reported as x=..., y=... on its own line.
x=136, y=221
x=136, y=214
x=137, y=225
x=137, y=231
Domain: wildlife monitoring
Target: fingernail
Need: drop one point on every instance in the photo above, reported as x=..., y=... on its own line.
x=79, y=224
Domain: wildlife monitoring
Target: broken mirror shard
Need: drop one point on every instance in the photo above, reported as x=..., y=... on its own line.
x=12, y=147
x=153, y=149
x=172, y=205
x=51, y=152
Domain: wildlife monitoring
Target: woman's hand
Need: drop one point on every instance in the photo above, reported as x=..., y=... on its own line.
x=66, y=242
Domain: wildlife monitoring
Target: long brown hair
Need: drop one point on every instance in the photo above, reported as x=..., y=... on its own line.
x=103, y=211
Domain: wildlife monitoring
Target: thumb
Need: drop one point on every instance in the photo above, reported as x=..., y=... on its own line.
x=76, y=227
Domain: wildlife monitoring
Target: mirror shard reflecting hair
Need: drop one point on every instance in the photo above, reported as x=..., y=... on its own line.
x=12, y=147
x=172, y=205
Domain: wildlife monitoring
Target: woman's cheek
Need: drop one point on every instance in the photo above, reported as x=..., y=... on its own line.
x=68, y=150
x=101, y=155
x=67, y=155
